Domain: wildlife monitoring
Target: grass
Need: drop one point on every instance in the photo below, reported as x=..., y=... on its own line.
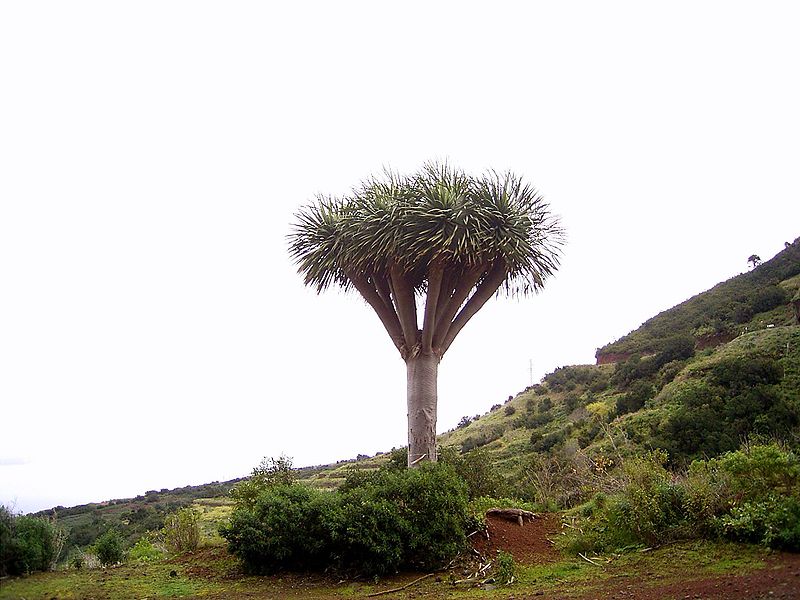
x=212, y=573
x=127, y=581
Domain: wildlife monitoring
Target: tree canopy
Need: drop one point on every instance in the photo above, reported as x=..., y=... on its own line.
x=439, y=234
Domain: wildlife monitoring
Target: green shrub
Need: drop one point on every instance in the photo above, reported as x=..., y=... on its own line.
x=483, y=437
x=182, y=530
x=750, y=495
x=9, y=564
x=425, y=508
x=505, y=570
x=109, y=548
x=375, y=523
x=145, y=549
x=648, y=510
x=28, y=543
x=638, y=393
x=287, y=527
x=768, y=298
x=733, y=399
x=774, y=522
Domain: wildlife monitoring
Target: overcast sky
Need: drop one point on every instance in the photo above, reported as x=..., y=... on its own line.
x=153, y=331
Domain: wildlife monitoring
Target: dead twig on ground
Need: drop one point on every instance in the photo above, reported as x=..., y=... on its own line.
x=401, y=588
x=589, y=560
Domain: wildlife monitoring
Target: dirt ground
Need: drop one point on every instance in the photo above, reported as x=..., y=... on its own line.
x=779, y=579
x=530, y=544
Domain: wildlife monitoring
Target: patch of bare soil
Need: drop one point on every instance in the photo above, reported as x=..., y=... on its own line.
x=528, y=543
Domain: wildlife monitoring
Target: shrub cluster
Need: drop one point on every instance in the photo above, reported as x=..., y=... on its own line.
x=738, y=397
x=566, y=379
x=110, y=548
x=375, y=523
x=28, y=543
x=182, y=530
x=752, y=495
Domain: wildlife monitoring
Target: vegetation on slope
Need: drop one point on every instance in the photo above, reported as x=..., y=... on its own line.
x=723, y=311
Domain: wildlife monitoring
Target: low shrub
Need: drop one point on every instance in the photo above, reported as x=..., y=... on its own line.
x=751, y=495
x=146, y=549
x=182, y=530
x=287, y=527
x=505, y=568
x=109, y=548
x=476, y=469
x=375, y=523
x=28, y=543
x=774, y=522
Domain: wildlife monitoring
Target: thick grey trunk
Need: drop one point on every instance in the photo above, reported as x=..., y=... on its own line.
x=422, y=371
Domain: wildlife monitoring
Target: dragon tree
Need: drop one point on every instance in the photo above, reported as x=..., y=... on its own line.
x=426, y=251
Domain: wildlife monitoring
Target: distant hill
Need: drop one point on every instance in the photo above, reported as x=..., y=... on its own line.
x=695, y=380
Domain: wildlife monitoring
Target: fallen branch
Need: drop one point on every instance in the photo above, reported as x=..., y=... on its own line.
x=589, y=560
x=401, y=588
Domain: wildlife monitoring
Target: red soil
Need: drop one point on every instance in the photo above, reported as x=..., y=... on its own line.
x=528, y=543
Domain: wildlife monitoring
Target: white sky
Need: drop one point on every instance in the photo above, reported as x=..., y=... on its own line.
x=153, y=332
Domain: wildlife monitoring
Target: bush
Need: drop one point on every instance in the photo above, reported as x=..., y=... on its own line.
x=639, y=393
x=109, y=548
x=483, y=437
x=287, y=527
x=774, y=522
x=8, y=550
x=750, y=495
x=768, y=298
x=505, y=571
x=649, y=509
x=28, y=544
x=182, y=530
x=375, y=523
x=145, y=549
x=736, y=397
x=431, y=506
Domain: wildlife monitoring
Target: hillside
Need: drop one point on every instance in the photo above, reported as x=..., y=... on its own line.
x=695, y=381
x=750, y=300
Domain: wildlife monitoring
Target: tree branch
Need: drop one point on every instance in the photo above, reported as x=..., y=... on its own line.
x=382, y=287
x=386, y=314
x=435, y=274
x=485, y=290
x=462, y=289
x=406, y=305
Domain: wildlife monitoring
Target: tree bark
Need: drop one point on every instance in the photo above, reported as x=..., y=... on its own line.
x=422, y=372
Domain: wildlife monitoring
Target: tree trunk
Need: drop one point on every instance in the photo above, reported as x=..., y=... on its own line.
x=422, y=372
